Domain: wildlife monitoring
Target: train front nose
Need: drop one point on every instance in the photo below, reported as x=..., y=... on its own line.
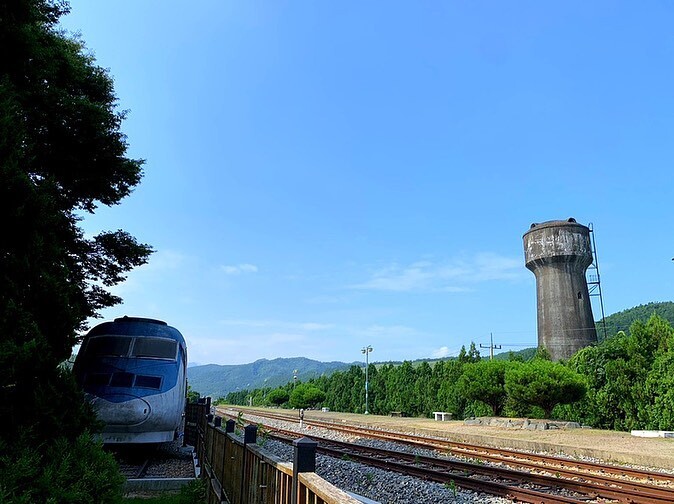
x=121, y=409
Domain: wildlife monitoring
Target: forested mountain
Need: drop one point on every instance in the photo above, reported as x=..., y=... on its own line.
x=622, y=320
x=217, y=380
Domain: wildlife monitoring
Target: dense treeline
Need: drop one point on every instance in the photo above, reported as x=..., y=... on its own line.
x=465, y=386
x=624, y=382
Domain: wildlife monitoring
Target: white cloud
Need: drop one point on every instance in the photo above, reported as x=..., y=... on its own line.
x=239, y=269
x=458, y=275
x=440, y=352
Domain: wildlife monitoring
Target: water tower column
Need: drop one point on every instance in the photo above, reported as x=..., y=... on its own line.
x=559, y=253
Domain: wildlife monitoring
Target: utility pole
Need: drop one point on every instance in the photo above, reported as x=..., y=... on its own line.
x=491, y=346
x=366, y=350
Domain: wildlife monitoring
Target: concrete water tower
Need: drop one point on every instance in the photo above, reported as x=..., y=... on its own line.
x=559, y=253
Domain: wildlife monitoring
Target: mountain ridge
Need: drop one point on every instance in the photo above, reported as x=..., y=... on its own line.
x=217, y=380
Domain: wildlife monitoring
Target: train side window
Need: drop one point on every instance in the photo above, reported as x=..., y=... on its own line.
x=121, y=380
x=113, y=346
x=155, y=348
x=153, y=382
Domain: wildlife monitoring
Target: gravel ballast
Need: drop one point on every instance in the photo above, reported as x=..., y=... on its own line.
x=376, y=484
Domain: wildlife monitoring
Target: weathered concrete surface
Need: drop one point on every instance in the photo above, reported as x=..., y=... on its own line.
x=559, y=253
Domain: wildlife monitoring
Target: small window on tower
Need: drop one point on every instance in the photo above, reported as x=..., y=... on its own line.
x=580, y=295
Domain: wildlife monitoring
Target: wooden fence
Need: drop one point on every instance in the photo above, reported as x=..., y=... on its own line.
x=242, y=472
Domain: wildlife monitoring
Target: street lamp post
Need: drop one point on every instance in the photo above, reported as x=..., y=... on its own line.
x=366, y=350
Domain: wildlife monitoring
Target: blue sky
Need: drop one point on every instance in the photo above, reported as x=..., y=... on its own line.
x=322, y=176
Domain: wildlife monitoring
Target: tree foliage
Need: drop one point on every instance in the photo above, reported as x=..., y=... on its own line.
x=484, y=381
x=62, y=153
x=305, y=396
x=544, y=384
x=278, y=397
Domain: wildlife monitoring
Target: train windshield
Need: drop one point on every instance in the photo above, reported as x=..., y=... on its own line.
x=113, y=346
x=155, y=348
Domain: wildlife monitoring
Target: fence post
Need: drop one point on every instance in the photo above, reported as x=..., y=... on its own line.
x=304, y=460
x=250, y=434
x=217, y=422
x=229, y=425
x=249, y=437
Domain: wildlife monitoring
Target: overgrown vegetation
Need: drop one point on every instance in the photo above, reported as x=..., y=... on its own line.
x=61, y=154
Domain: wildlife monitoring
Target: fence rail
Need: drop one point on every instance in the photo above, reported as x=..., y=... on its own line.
x=241, y=472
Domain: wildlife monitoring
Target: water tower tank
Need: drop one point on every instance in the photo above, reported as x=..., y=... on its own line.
x=558, y=253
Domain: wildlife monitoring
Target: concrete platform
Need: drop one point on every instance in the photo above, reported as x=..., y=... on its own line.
x=653, y=433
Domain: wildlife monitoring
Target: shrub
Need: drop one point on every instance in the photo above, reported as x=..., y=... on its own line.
x=77, y=472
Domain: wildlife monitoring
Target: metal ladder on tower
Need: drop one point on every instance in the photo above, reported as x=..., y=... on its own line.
x=594, y=280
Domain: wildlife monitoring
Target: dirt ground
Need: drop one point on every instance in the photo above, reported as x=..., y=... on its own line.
x=610, y=446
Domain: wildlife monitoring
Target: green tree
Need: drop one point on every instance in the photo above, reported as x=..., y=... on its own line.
x=544, y=384
x=660, y=391
x=306, y=395
x=278, y=396
x=484, y=381
x=425, y=390
x=61, y=154
x=450, y=397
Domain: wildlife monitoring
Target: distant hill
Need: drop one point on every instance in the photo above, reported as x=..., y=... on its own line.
x=622, y=320
x=217, y=380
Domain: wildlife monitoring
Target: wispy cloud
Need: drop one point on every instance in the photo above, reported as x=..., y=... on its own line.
x=277, y=324
x=239, y=269
x=457, y=275
x=440, y=352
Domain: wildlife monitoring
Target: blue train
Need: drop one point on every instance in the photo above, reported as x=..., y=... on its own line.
x=134, y=372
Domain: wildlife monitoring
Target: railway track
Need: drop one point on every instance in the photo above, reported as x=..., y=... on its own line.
x=481, y=453
x=528, y=477
x=140, y=462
